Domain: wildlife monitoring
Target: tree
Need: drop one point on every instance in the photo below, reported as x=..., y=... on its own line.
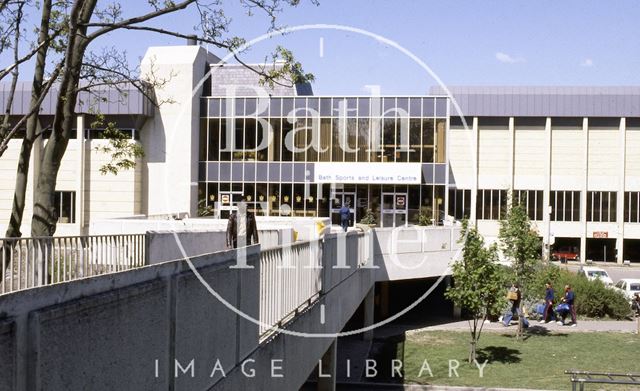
x=478, y=283
x=520, y=243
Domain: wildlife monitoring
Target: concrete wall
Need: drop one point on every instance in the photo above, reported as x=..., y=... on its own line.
x=126, y=331
x=105, y=333
x=306, y=228
x=414, y=252
x=162, y=246
x=171, y=138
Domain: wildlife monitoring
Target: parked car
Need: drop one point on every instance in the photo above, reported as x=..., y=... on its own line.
x=595, y=273
x=629, y=286
x=565, y=254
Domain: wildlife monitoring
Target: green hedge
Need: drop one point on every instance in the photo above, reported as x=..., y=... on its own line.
x=593, y=298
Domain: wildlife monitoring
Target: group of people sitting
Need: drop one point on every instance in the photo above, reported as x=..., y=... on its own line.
x=565, y=308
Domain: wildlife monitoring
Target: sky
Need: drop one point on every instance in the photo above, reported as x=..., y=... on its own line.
x=471, y=42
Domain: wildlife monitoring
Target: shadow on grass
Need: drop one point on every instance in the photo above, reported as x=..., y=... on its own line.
x=498, y=354
x=541, y=331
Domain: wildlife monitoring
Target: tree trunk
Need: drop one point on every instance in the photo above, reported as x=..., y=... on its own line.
x=472, y=352
x=44, y=218
x=15, y=222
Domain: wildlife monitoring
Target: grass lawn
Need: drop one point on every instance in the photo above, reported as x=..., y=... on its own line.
x=537, y=362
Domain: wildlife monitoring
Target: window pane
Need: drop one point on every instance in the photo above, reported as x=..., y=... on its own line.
x=287, y=128
x=613, y=202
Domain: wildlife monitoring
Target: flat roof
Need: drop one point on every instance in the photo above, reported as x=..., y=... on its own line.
x=544, y=101
x=125, y=100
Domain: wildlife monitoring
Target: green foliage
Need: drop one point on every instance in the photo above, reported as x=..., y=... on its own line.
x=426, y=216
x=478, y=282
x=122, y=149
x=368, y=218
x=593, y=298
x=520, y=243
x=285, y=68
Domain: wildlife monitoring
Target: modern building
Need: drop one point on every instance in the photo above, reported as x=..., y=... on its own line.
x=571, y=154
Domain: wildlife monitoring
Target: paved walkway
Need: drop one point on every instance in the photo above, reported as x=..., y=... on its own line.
x=623, y=326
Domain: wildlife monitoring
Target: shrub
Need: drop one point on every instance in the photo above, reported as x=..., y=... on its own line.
x=593, y=298
x=426, y=216
x=368, y=218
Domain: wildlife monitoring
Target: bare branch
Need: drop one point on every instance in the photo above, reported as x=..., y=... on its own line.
x=138, y=19
x=34, y=109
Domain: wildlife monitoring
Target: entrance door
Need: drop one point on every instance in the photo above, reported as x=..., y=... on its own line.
x=339, y=198
x=394, y=209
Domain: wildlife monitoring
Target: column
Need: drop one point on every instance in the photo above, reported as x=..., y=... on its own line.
x=512, y=154
x=327, y=373
x=547, y=188
x=369, y=308
x=79, y=211
x=474, y=187
x=384, y=299
x=457, y=311
x=583, y=192
x=621, y=188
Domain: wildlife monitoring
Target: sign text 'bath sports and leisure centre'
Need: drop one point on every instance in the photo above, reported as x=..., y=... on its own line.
x=356, y=173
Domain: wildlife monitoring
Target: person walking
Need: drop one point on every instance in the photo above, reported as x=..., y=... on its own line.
x=549, y=295
x=345, y=214
x=515, y=297
x=569, y=299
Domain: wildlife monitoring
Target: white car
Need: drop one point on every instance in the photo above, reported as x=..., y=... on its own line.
x=595, y=273
x=629, y=286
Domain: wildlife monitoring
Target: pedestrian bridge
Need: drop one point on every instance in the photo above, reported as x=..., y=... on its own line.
x=248, y=319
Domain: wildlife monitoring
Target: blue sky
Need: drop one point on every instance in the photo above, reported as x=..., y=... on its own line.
x=464, y=42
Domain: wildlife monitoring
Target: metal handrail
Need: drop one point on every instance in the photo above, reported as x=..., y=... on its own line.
x=32, y=262
x=583, y=377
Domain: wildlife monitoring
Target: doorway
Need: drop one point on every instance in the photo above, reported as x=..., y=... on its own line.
x=339, y=198
x=394, y=210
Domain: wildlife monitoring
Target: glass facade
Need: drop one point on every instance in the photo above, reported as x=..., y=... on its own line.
x=265, y=149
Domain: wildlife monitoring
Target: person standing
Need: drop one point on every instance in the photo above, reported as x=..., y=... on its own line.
x=345, y=214
x=569, y=299
x=549, y=295
x=242, y=229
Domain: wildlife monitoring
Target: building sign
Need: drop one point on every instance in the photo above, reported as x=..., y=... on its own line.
x=366, y=173
x=400, y=201
x=600, y=234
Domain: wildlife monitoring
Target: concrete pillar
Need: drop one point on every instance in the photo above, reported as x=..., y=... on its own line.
x=512, y=154
x=583, y=192
x=621, y=187
x=547, y=189
x=474, y=186
x=79, y=212
x=457, y=311
x=368, y=313
x=327, y=377
x=384, y=299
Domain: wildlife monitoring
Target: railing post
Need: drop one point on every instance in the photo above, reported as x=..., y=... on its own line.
x=146, y=248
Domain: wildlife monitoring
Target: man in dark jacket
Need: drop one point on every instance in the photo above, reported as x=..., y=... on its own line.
x=549, y=296
x=345, y=215
x=569, y=298
x=241, y=227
